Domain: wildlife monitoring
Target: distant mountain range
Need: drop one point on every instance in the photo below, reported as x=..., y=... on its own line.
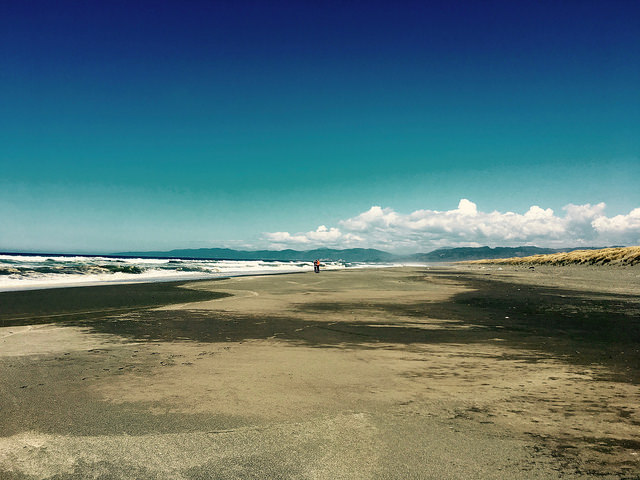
x=353, y=254
x=481, y=253
x=348, y=255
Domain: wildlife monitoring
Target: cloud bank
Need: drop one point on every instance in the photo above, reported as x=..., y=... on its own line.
x=425, y=230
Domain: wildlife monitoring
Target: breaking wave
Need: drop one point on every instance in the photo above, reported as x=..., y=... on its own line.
x=21, y=272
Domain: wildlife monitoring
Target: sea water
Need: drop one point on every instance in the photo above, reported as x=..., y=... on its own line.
x=28, y=271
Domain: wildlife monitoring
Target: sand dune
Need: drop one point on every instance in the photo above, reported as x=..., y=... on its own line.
x=606, y=256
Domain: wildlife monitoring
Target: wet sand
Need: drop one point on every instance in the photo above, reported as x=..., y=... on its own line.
x=459, y=372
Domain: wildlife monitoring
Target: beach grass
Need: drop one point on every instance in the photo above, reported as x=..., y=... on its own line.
x=621, y=256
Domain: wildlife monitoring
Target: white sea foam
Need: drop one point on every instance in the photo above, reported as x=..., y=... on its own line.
x=26, y=272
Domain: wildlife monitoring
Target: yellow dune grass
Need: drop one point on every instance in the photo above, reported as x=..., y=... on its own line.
x=605, y=256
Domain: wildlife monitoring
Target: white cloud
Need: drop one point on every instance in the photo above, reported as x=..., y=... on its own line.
x=467, y=226
x=621, y=229
x=286, y=237
x=321, y=236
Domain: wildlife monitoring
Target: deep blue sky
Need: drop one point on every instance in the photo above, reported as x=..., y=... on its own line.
x=142, y=125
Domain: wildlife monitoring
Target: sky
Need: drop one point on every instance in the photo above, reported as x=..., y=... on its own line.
x=405, y=126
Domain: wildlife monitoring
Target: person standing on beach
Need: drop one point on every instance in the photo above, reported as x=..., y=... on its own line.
x=316, y=266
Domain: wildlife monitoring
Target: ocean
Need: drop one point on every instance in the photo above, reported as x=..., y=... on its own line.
x=35, y=271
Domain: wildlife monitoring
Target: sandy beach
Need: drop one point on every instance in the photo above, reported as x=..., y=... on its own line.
x=471, y=371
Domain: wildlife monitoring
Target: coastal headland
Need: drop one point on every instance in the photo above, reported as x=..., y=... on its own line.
x=468, y=371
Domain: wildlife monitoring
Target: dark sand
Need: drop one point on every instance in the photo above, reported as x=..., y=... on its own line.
x=462, y=372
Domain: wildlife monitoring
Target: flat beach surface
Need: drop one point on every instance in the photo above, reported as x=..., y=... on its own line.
x=443, y=372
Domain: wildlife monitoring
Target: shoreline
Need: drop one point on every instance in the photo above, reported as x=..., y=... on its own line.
x=60, y=301
x=177, y=278
x=38, y=306
x=470, y=265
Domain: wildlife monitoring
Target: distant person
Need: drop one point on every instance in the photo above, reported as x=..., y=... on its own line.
x=316, y=266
